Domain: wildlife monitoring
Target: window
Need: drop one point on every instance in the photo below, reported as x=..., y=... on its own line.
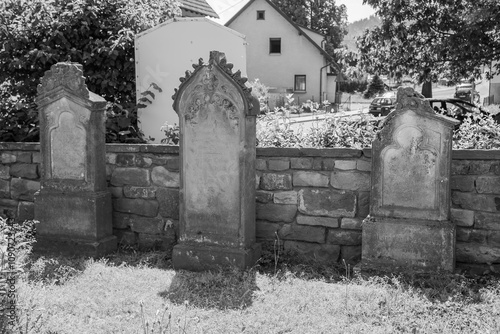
x=300, y=83
x=274, y=45
x=261, y=15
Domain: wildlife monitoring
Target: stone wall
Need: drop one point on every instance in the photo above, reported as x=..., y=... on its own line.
x=312, y=200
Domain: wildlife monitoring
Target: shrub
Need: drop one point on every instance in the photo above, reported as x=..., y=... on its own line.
x=261, y=92
x=353, y=86
x=99, y=34
x=478, y=131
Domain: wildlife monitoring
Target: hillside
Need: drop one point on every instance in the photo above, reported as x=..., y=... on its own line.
x=357, y=28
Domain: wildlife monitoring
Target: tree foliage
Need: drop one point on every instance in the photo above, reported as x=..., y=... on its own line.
x=323, y=16
x=432, y=37
x=99, y=34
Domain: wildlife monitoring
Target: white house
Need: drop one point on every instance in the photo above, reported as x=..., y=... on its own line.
x=284, y=55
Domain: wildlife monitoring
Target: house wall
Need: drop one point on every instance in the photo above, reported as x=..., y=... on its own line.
x=310, y=200
x=298, y=56
x=164, y=53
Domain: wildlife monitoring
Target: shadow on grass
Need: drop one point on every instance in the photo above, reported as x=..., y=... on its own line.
x=222, y=289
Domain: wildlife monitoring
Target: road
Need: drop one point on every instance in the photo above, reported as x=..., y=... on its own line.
x=441, y=92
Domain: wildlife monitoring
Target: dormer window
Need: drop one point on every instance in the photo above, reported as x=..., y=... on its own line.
x=261, y=15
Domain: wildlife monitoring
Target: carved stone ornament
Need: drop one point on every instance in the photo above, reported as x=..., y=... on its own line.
x=69, y=76
x=210, y=84
x=407, y=98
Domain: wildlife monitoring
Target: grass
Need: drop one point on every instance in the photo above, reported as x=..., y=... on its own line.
x=132, y=292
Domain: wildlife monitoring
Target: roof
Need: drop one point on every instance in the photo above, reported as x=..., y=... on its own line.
x=198, y=6
x=302, y=31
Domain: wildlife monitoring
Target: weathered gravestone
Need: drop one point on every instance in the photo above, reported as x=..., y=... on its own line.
x=217, y=149
x=73, y=204
x=409, y=225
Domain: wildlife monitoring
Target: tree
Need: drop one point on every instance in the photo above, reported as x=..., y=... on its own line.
x=323, y=16
x=99, y=34
x=376, y=86
x=431, y=37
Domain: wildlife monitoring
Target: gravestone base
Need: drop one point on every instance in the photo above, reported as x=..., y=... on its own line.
x=200, y=257
x=78, y=223
x=75, y=247
x=392, y=244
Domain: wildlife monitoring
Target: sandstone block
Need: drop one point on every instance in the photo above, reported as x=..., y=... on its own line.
x=327, y=202
x=344, y=237
x=173, y=163
x=147, y=225
x=25, y=171
x=351, y=223
x=37, y=158
x=263, y=196
x=139, y=192
x=257, y=180
x=364, y=165
x=459, y=167
x=4, y=188
x=309, y=179
x=345, y=164
x=302, y=233
x=494, y=238
x=479, y=202
x=168, y=199
x=139, y=206
x=350, y=180
x=317, y=164
x=132, y=160
x=476, y=253
x=285, y=197
x=319, y=252
x=23, y=189
x=23, y=157
x=132, y=176
x=266, y=230
x=260, y=164
x=328, y=164
x=478, y=236
x=301, y=163
x=165, y=178
x=278, y=165
x=462, y=217
x=479, y=167
x=276, y=212
x=111, y=158
x=8, y=158
x=318, y=221
x=487, y=220
x=4, y=172
x=109, y=171
x=462, y=182
x=273, y=181
x=463, y=234
x=488, y=185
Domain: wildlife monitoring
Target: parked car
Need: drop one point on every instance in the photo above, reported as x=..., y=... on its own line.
x=382, y=106
x=457, y=108
x=467, y=91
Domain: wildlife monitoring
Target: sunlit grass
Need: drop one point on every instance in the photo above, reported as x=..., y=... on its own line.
x=140, y=293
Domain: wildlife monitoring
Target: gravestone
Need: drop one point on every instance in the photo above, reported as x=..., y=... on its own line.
x=73, y=204
x=409, y=224
x=217, y=150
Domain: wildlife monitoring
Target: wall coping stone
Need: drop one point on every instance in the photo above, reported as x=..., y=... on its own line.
x=309, y=152
x=19, y=146
x=261, y=151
